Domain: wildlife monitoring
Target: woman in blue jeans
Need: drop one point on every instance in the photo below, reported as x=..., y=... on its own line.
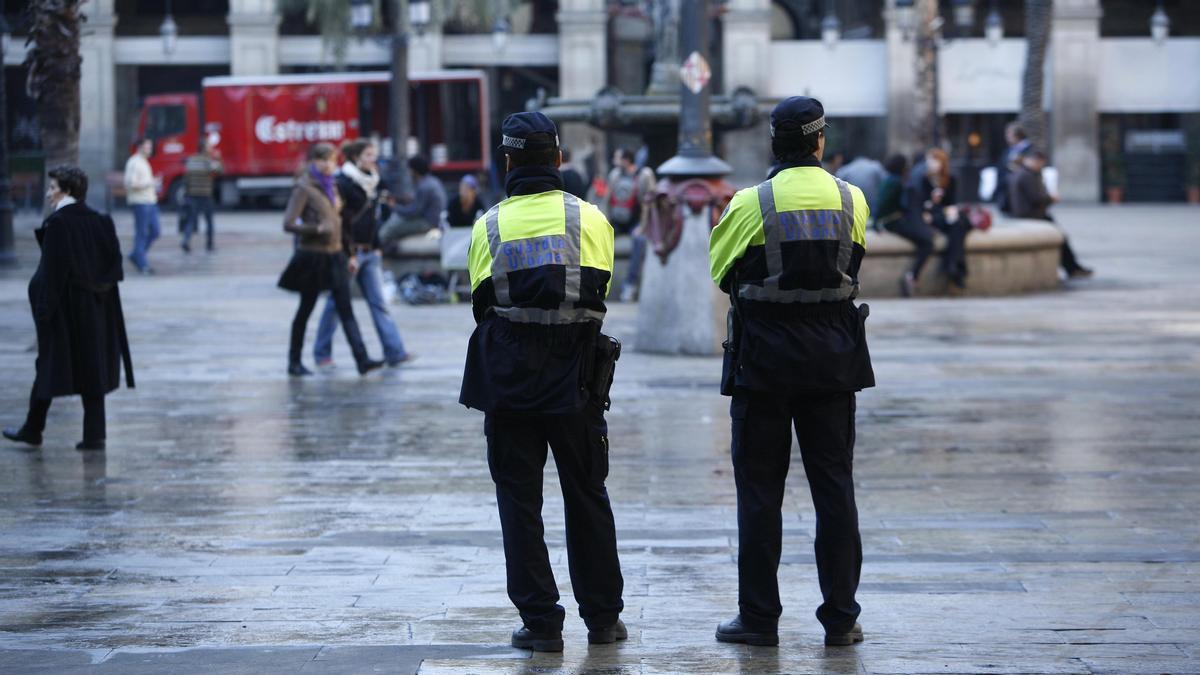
x=358, y=183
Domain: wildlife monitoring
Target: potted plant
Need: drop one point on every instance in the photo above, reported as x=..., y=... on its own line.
x=1192, y=181
x=1113, y=162
x=1114, y=179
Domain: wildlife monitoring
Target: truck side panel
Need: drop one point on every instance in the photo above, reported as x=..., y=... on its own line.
x=266, y=130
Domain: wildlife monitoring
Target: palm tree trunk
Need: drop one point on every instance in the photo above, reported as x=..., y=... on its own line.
x=925, y=101
x=1037, y=38
x=53, y=62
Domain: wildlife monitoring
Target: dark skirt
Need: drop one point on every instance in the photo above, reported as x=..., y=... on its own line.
x=315, y=271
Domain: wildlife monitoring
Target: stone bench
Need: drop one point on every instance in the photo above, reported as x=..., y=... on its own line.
x=1013, y=257
x=419, y=253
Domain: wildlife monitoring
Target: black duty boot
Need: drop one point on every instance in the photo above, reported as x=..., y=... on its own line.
x=608, y=634
x=544, y=641
x=90, y=445
x=298, y=370
x=734, y=631
x=845, y=639
x=22, y=436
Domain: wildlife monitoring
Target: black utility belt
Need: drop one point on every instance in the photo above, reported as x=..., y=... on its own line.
x=789, y=310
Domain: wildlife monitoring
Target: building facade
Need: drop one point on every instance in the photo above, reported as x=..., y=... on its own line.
x=1124, y=107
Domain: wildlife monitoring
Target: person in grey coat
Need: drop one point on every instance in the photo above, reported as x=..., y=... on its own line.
x=1029, y=198
x=423, y=213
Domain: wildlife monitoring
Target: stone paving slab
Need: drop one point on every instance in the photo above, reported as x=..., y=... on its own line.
x=1026, y=477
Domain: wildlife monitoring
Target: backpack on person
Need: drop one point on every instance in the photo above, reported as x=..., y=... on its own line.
x=623, y=201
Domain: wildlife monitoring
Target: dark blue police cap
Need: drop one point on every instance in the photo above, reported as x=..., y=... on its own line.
x=798, y=115
x=528, y=131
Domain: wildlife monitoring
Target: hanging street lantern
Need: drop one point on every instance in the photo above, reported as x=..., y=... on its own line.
x=964, y=14
x=169, y=31
x=906, y=18
x=362, y=15
x=993, y=26
x=1160, y=25
x=420, y=14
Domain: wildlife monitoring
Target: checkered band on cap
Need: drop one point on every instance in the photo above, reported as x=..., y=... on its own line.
x=806, y=129
x=813, y=126
x=523, y=143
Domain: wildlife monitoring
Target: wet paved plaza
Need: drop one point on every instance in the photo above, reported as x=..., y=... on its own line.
x=1027, y=477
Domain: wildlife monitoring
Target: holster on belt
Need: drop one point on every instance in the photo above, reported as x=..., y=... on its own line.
x=604, y=366
x=733, y=339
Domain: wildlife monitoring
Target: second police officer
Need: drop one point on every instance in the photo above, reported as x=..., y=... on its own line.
x=788, y=252
x=540, y=265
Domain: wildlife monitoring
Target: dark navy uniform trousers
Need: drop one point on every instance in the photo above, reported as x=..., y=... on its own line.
x=762, y=444
x=517, y=446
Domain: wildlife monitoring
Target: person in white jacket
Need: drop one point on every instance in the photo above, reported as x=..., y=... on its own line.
x=141, y=193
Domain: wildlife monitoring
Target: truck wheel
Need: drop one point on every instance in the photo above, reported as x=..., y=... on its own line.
x=176, y=197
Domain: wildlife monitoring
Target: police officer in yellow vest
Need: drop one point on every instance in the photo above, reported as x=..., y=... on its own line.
x=541, y=263
x=788, y=252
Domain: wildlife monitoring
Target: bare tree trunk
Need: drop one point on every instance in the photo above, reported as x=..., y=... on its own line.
x=927, y=122
x=53, y=61
x=1037, y=38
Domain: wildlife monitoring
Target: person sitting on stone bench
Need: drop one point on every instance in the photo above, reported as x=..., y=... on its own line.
x=419, y=215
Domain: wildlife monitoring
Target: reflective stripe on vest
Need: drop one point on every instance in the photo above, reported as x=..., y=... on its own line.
x=550, y=249
x=804, y=225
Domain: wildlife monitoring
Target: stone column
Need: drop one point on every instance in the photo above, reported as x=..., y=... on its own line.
x=902, y=82
x=1075, y=120
x=253, y=37
x=97, y=98
x=747, y=53
x=582, y=70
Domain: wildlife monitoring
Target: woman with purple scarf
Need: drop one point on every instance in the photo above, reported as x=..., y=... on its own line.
x=320, y=262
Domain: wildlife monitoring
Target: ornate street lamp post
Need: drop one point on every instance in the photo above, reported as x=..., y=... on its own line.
x=362, y=19
x=694, y=157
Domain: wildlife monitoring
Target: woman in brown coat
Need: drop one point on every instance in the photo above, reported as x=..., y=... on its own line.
x=320, y=263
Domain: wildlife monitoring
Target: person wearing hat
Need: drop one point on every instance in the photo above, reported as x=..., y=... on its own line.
x=466, y=207
x=541, y=264
x=787, y=252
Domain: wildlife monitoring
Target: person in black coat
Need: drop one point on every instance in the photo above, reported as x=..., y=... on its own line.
x=76, y=310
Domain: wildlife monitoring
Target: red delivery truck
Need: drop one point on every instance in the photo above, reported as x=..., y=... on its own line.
x=262, y=126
